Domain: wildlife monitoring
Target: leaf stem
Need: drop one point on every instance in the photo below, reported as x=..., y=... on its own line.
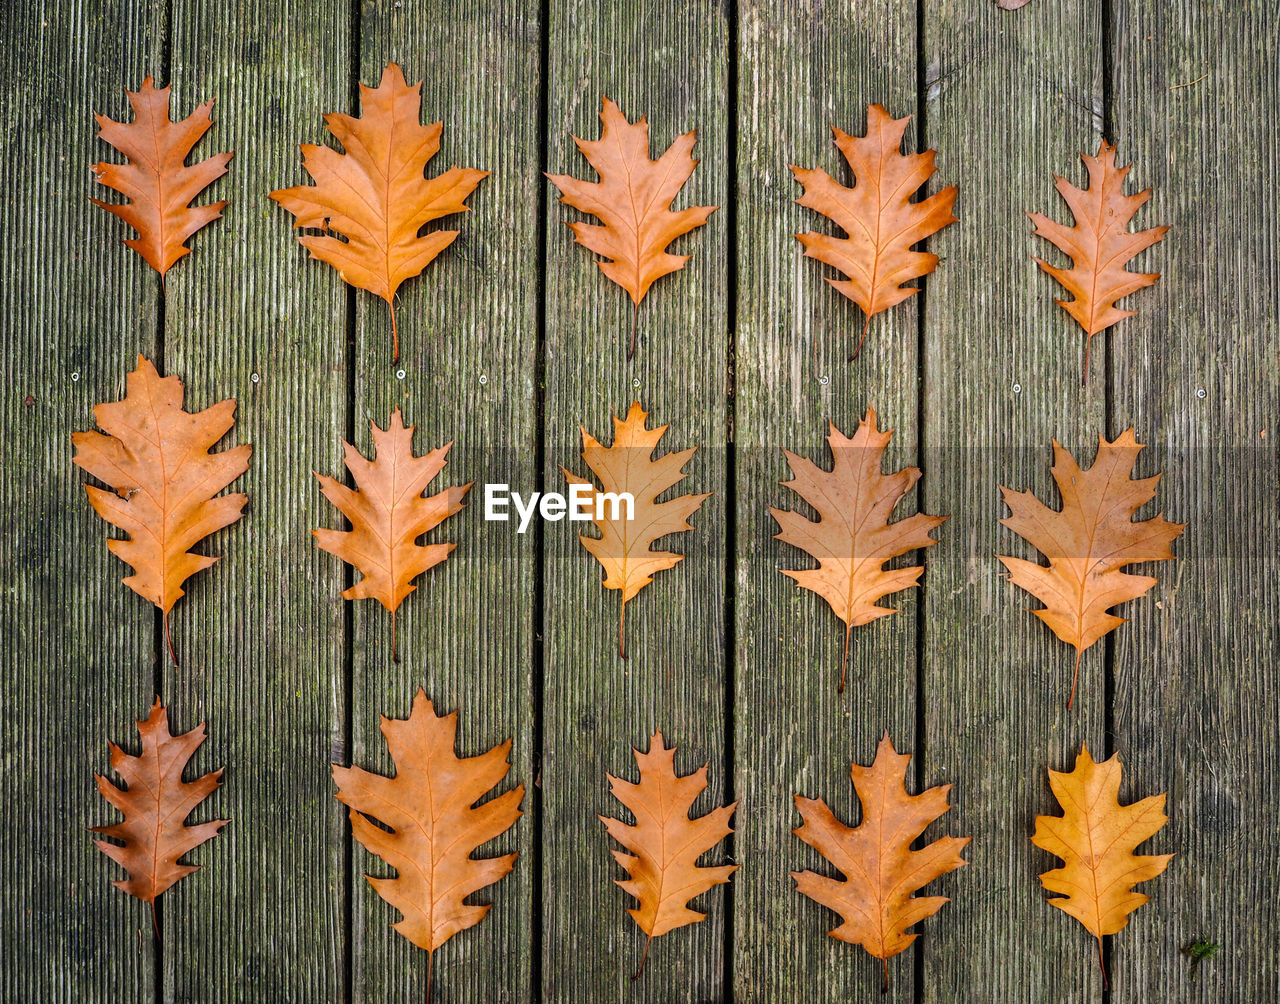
x=1072, y=699
x=155, y=924
x=395, y=654
x=168, y=640
x=865, y=326
x=1102, y=962
x=844, y=669
x=395, y=335
x=622, y=620
x=631, y=348
x=431, y=958
x=884, y=987
x=644, y=957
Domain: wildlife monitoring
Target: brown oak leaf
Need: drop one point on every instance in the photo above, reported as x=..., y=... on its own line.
x=1088, y=542
x=632, y=200
x=375, y=194
x=156, y=801
x=880, y=870
x=852, y=537
x=627, y=467
x=157, y=180
x=1096, y=838
x=156, y=458
x=388, y=514
x=424, y=822
x=1099, y=244
x=665, y=843
x=880, y=221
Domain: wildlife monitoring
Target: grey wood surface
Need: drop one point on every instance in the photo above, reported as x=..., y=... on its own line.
x=597, y=707
x=1197, y=372
x=78, y=647
x=802, y=69
x=263, y=663
x=1012, y=99
x=511, y=340
x=468, y=337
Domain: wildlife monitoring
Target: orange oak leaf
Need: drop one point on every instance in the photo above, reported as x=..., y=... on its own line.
x=1099, y=245
x=853, y=538
x=632, y=200
x=665, y=843
x=388, y=514
x=1088, y=542
x=1096, y=838
x=879, y=219
x=157, y=180
x=424, y=822
x=376, y=195
x=626, y=533
x=155, y=802
x=880, y=870
x=156, y=458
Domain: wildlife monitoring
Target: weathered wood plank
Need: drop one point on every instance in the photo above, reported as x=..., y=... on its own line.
x=670, y=64
x=468, y=335
x=1013, y=98
x=1197, y=372
x=77, y=670
x=260, y=634
x=802, y=69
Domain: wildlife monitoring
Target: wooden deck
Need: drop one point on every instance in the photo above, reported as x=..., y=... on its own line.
x=510, y=341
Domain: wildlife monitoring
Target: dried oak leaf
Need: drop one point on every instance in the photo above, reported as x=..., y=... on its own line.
x=388, y=514
x=155, y=802
x=375, y=194
x=853, y=538
x=156, y=458
x=1088, y=542
x=1095, y=838
x=424, y=822
x=881, y=871
x=877, y=215
x=665, y=843
x=627, y=467
x=1099, y=245
x=156, y=180
x=632, y=200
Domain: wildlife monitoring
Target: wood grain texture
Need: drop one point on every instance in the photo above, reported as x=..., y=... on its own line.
x=79, y=646
x=1197, y=371
x=468, y=337
x=1012, y=99
x=804, y=68
x=290, y=677
x=260, y=634
x=671, y=67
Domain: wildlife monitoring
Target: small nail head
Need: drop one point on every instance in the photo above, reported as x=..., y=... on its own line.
x=824, y=380
x=636, y=383
x=75, y=377
x=1201, y=393
x=254, y=377
x=399, y=374
x=1017, y=388
x=483, y=379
